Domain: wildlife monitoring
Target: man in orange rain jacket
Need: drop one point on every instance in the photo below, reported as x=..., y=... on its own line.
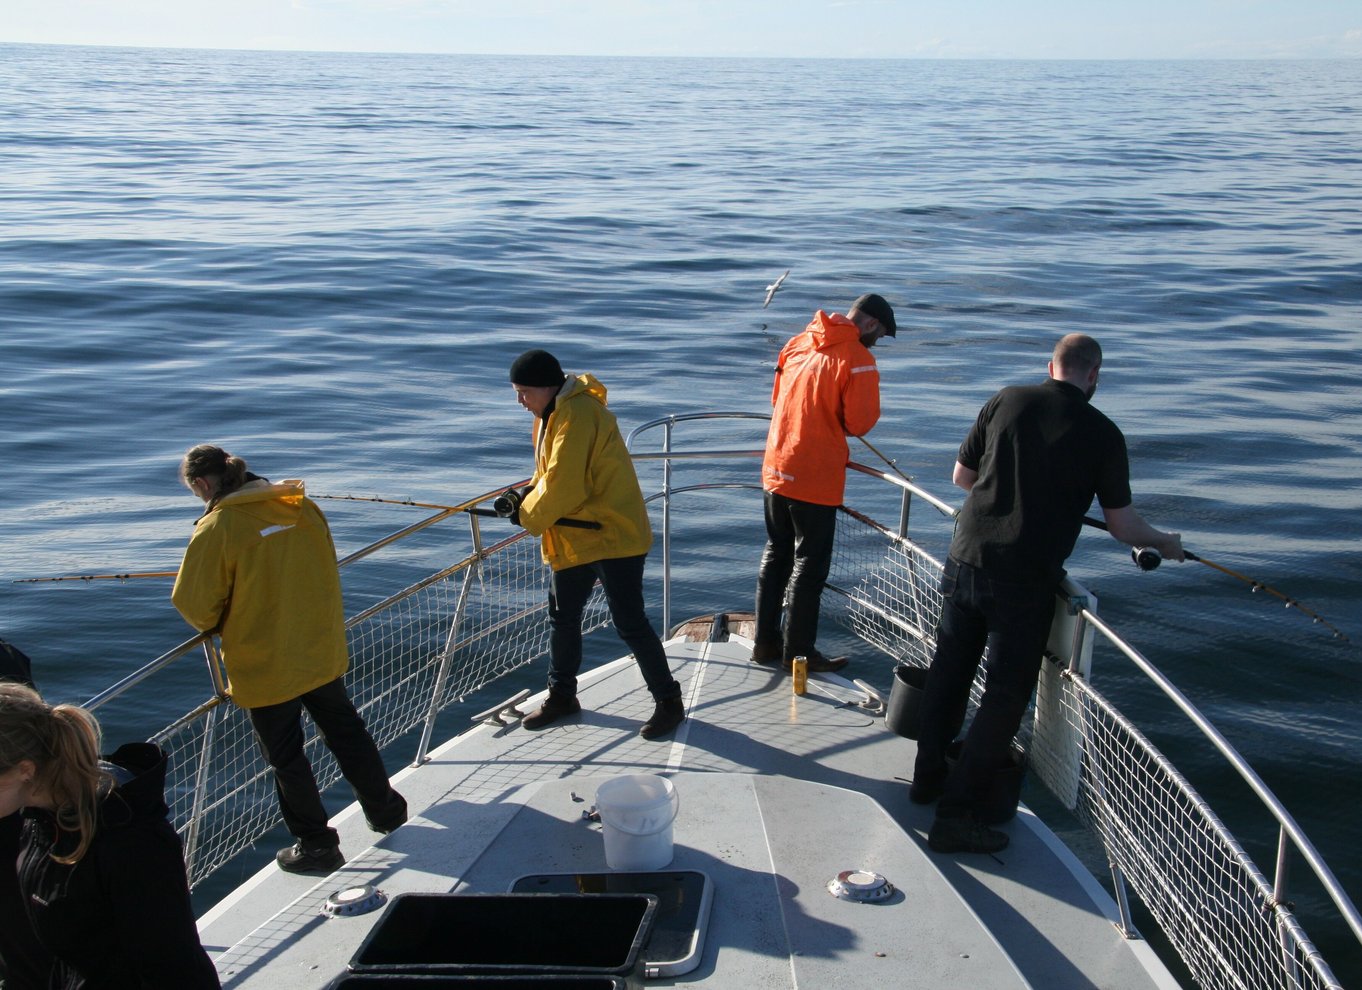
x=827, y=387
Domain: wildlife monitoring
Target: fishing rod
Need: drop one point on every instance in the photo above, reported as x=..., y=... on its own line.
x=98, y=577
x=502, y=507
x=394, y=501
x=874, y=450
x=1148, y=558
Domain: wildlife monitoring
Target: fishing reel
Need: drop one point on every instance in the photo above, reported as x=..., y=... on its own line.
x=1146, y=558
x=507, y=504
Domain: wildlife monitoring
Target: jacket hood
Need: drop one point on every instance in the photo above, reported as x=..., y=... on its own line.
x=831, y=330
x=285, y=498
x=138, y=793
x=586, y=384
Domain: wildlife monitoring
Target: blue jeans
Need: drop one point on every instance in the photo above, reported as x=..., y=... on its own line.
x=622, y=580
x=1013, y=620
x=794, y=568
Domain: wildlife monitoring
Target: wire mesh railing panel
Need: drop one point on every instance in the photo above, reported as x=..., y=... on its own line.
x=220, y=791
x=892, y=589
x=1204, y=891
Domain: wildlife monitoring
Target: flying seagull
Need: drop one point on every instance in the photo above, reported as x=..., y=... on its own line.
x=771, y=289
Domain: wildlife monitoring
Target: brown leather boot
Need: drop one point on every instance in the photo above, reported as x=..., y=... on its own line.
x=555, y=707
x=666, y=716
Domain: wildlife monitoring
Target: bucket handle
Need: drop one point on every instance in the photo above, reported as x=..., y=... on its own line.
x=676, y=810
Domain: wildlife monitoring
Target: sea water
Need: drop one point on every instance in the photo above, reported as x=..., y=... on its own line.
x=326, y=264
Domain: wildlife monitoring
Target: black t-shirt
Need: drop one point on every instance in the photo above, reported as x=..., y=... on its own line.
x=1042, y=453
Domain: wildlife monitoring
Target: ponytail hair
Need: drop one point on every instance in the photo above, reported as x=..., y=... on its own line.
x=207, y=461
x=62, y=742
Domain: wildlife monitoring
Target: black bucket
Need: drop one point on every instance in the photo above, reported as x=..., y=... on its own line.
x=904, y=714
x=1001, y=804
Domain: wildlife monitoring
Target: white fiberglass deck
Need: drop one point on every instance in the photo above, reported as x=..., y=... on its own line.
x=778, y=795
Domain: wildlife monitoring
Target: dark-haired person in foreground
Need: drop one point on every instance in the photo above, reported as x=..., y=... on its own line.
x=261, y=571
x=100, y=868
x=582, y=470
x=1032, y=463
x=827, y=388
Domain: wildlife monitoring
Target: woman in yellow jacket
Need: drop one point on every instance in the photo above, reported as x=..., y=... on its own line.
x=260, y=570
x=583, y=471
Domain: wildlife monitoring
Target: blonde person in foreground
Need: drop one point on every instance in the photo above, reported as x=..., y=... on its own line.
x=260, y=571
x=100, y=868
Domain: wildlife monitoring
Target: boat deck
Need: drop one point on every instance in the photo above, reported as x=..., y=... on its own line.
x=778, y=794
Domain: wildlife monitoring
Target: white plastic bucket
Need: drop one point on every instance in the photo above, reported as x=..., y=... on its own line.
x=637, y=811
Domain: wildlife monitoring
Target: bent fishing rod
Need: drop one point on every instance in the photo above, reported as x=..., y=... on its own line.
x=1148, y=558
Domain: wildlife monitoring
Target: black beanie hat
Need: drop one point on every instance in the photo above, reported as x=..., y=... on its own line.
x=537, y=368
x=875, y=306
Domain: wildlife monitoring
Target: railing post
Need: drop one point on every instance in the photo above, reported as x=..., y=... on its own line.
x=1283, y=866
x=205, y=761
x=446, y=661
x=666, y=531
x=905, y=503
x=210, y=654
x=1279, y=882
x=1118, y=885
x=201, y=775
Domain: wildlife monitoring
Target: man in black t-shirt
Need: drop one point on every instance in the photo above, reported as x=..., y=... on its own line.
x=1032, y=463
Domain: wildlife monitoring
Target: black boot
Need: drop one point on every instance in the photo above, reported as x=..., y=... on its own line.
x=299, y=858
x=555, y=706
x=666, y=716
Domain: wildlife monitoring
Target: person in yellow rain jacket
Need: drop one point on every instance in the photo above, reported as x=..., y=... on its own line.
x=260, y=571
x=583, y=472
x=827, y=388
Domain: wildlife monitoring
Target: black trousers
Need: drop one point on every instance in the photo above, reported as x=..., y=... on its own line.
x=622, y=580
x=1013, y=620
x=794, y=568
x=279, y=730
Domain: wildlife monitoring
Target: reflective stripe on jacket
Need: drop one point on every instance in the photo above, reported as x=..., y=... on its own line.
x=827, y=387
x=582, y=470
x=261, y=569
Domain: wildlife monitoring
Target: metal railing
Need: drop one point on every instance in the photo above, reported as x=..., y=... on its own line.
x=462, y=626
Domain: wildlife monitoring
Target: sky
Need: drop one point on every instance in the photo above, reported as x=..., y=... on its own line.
x=744, y=28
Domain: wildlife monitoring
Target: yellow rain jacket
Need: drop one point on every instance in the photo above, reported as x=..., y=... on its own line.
x=827, y=387
x=582, y=470
x=261, y=570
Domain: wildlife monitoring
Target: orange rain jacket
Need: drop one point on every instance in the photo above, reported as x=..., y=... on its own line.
x=827, y=386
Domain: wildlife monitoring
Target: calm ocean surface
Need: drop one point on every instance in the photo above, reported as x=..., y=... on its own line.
x=326, y=263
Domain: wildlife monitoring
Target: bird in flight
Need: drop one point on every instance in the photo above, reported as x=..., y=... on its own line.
x=771, y=289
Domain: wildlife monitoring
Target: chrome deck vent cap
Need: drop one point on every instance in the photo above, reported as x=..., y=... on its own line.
x=354, y=900
x=863, y=886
